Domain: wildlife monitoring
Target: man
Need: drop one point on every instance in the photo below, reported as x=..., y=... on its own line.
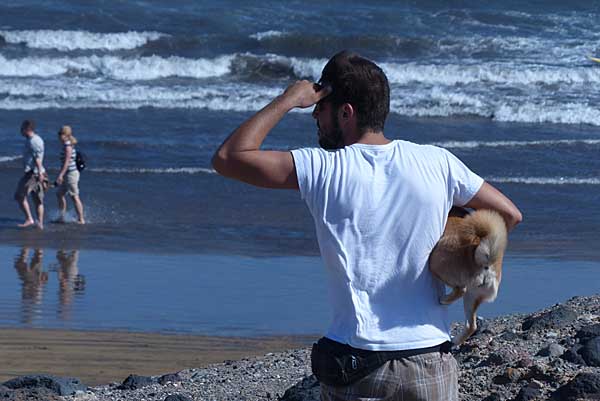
x=35, y=180
x=379, y=208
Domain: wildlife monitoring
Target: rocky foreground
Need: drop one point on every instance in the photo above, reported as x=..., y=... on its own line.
x=553, y=354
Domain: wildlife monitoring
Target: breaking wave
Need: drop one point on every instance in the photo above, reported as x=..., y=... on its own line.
x=273, y=66
x=144, y=68
x=452, y=103
x=5, y=159
x=246, y=82
x=173, y=170
x=497, y=144
x=219, y=97
x=79, y=40
x=470, y=47
x=267, y=35
x=546, y=180
x=495, y=73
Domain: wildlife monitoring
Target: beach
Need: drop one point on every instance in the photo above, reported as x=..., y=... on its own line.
x=180, y=269
x=105, y=357
x=550, y=354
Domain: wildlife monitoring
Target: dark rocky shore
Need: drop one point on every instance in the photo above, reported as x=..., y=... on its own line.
x=553, y=354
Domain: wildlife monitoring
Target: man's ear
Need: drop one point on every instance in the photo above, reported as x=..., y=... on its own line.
x=346, y=114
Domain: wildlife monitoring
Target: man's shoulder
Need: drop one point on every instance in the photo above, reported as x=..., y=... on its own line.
x=315, y=151
x=425, y=148
x=37, y=139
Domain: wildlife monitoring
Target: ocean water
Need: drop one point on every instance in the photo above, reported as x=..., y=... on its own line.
x=152, y=88
x=227, y=295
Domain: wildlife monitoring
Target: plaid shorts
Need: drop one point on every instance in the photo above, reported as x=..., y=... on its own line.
x=425, y=377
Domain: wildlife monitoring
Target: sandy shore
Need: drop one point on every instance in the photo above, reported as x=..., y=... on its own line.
x=552, y=354
x=104, y=357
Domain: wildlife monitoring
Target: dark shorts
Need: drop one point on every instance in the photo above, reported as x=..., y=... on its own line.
x=424, y=377
x=30, y=184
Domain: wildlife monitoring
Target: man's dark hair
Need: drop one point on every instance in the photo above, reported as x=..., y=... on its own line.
x=27, y=125
x=361, y=83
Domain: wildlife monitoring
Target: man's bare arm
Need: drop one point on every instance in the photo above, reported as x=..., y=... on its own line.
x=240, y=157
x=489, y=197
x=38, y=163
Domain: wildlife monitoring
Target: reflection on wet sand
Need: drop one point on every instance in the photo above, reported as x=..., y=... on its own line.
x=70, y=282
x=34, y=280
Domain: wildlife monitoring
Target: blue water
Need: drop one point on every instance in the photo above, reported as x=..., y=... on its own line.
x=222, y=294
x=152, y=88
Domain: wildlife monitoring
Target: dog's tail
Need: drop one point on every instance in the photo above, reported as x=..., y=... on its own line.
x=490, y=227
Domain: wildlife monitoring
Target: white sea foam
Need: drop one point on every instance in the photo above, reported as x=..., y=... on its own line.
x=117, y=82
x=267, y=34
x=144, y=68
x=55, y=93
x=446, y=75
x=546, y=180
x=564, y=113
x=497, y=144
x=440, y=102
x=74, y=40
x=30, y=66
x=494, y=73
x=172, y=170
x=525, y=49
x=5, y=159
x=308, y=68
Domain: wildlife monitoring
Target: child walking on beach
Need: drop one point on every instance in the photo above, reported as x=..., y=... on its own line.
x=68, y=178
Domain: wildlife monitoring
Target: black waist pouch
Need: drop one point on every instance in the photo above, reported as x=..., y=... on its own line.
x=337, y=364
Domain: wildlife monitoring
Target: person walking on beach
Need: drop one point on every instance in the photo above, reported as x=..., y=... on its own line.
x=379, y=207
x=68, y=177
x=34, y=180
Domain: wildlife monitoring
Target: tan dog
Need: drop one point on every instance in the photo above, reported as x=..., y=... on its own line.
x=468, y=258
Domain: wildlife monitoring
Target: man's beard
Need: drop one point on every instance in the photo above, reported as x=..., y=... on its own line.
x=333, y=139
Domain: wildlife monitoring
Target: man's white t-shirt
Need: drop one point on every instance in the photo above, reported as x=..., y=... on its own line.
x=32, y=150
x=379, y=210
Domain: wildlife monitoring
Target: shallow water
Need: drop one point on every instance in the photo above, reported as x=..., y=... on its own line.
x=221, y=295
x=148, y=190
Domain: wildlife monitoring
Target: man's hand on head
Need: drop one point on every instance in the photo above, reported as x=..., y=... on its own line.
x=305, y=94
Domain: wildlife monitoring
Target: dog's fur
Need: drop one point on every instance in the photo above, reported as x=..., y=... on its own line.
x=468, y=258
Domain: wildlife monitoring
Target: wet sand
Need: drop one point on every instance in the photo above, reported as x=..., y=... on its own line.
x=103, y=357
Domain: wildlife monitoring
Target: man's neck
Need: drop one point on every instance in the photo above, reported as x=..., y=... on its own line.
x=370, y=138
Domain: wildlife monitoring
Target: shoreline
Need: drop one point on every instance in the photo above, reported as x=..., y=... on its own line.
x=550, y=354
x=100, y=357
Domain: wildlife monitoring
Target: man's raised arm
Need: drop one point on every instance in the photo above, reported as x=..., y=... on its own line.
x=240, y=157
